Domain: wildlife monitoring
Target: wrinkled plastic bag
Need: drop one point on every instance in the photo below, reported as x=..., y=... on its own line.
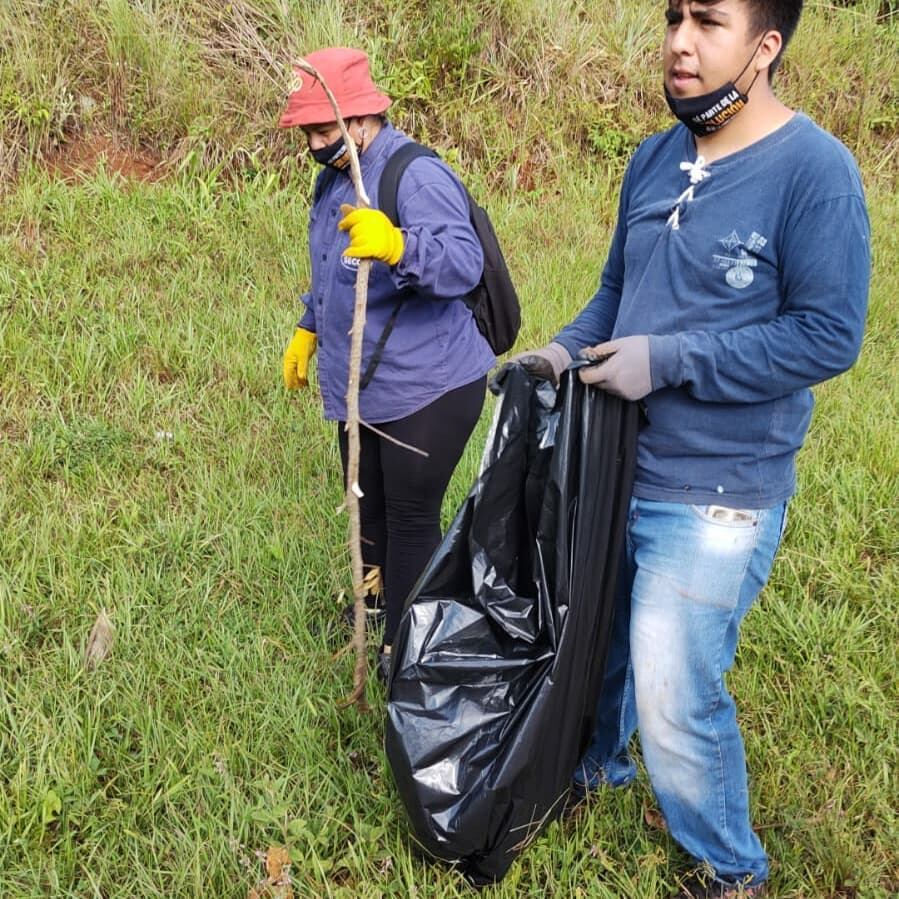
x=500, y=654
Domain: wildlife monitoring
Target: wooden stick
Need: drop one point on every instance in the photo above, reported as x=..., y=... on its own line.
x=352, y=414
x=393, y=440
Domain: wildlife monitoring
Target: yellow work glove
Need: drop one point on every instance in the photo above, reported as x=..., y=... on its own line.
x=372, y=235
x=296, y=359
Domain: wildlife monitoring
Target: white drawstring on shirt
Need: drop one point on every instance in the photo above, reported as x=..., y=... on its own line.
x=698, y=172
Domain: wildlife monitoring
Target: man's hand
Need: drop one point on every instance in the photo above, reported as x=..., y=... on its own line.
x=622, y=367
x=548, y=362
x=372, y=235
x=296, y=359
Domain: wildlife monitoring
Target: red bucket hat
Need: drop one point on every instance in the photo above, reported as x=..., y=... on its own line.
x=346, y=73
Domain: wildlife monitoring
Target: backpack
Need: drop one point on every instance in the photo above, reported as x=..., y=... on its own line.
x=493, y=301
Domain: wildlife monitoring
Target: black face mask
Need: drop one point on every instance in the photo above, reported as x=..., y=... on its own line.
x=336, y=155
x=707, y=113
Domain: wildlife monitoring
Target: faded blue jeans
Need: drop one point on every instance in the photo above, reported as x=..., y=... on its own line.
x=689, y=576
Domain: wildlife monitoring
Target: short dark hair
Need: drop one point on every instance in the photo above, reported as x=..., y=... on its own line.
x=766, y=15
x=775, y=15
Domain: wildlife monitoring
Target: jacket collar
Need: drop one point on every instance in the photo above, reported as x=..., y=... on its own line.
x=377, y=148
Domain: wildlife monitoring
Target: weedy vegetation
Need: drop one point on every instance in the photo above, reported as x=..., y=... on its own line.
x=154, y=473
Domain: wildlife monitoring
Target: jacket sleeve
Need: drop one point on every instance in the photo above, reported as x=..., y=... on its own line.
x=442, y=255
x=595, y=322
x=307, y=319
x=816, y=335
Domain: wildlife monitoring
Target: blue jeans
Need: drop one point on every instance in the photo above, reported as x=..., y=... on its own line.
x=689, y=576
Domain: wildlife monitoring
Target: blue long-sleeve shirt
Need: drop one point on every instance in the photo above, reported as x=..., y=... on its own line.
x=751, y=276
x=435, y=345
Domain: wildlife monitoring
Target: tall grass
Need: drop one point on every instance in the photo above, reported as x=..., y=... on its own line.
x=538, y=85
x=152, y=465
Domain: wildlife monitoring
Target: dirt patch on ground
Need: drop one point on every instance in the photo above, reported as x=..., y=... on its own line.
x=81, y=156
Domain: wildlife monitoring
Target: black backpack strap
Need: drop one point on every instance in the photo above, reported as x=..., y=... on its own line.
x=378, y=351
x=393, y=171
x=388, y=185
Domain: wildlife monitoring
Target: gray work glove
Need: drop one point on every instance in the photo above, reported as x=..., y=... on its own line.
x=622, y=367
x=547, y=363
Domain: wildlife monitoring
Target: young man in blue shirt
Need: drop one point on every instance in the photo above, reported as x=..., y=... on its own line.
x=737, y=278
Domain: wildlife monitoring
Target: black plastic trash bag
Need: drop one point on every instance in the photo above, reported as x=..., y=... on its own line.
x=499, y=658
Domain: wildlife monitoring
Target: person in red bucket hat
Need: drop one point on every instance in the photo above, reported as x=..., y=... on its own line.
x=425, y=388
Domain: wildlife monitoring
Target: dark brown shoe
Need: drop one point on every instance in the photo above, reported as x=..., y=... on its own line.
x=374, y=614
x=703, y=888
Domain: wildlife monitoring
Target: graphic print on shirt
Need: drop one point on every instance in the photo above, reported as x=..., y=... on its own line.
x=350, y=262
x=738, y=264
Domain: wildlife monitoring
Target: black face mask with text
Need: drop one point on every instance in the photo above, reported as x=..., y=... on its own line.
x=707, y=113
x=336, y=155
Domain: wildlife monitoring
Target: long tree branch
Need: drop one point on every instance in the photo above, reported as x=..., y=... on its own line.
x=352, y=413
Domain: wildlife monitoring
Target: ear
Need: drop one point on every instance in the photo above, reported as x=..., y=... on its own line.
x=768, y=48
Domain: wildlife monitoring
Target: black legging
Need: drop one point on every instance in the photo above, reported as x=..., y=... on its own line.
x=400, y=510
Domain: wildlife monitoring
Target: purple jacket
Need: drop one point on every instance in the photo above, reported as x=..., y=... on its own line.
x=435, y=345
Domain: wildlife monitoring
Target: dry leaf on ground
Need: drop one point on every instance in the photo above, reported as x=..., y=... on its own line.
x=100, y=640
x=654, y=818
x=277, y=884
x=372, y=583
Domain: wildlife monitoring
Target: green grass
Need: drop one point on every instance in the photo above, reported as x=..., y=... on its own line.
x=151, y=463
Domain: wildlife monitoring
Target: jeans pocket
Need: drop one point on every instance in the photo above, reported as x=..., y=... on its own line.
x=723, y=541
x=727, y=517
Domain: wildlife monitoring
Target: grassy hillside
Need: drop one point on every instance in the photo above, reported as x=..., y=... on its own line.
x=151, y=463
x=523, y=89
